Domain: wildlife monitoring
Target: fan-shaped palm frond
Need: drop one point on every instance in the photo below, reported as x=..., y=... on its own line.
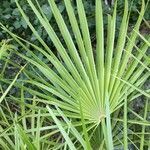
x=87, y=87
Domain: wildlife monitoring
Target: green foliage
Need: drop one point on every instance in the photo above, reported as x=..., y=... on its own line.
x=4, y=48
x=80, y=97
x=10, y=16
